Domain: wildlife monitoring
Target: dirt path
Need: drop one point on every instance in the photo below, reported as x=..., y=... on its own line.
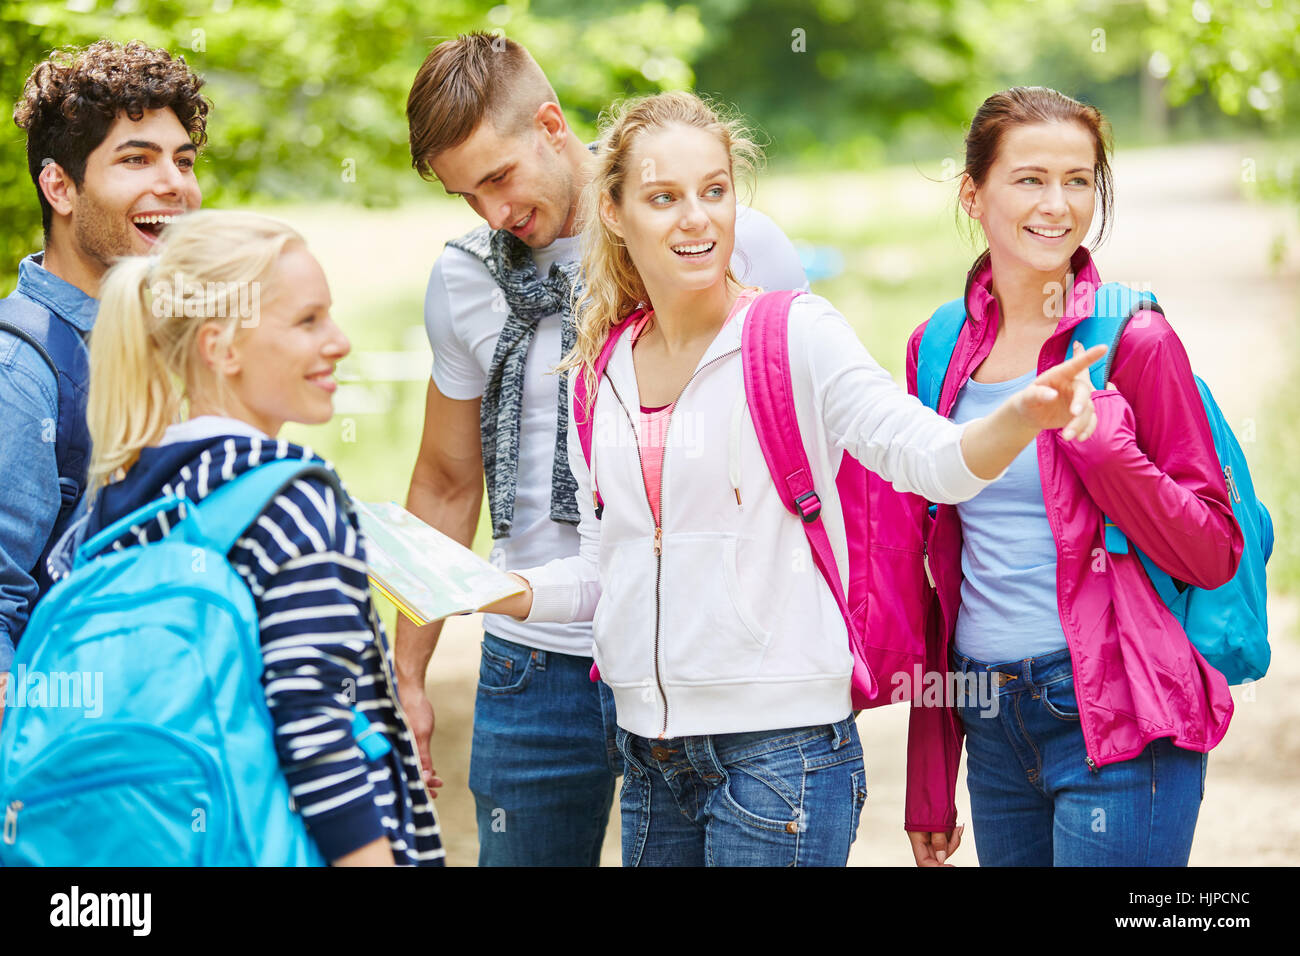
x=1182, y=228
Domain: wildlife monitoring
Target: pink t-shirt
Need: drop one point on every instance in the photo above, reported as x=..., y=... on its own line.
x=655, y=421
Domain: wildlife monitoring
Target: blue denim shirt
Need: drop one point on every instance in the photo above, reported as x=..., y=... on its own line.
x=29, y=472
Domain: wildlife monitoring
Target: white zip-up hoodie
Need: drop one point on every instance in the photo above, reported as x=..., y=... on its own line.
x=720, y=622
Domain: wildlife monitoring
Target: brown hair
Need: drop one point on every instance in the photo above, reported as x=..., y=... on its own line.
x=70, y=100
x=613, y=286
x=1026, y=105
x=462, y=81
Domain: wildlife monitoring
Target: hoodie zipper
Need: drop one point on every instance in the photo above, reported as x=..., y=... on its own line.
x=659, y=531
x=1058, y=534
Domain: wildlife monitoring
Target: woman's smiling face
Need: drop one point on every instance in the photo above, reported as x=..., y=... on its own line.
x=281, y=368
x=678, y=210
x=1037, y=201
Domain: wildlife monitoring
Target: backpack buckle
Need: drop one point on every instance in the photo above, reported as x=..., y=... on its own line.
x=810, y=511
x=11, y=822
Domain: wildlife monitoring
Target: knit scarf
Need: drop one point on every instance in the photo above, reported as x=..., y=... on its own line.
x=528, y=298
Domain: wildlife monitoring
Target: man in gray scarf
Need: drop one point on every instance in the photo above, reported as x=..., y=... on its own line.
x=486, y=123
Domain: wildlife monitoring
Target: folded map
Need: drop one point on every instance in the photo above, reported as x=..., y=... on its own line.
x=426, y=574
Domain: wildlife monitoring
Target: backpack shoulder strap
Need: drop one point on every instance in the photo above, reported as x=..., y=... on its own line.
x=938, y=342
x=769, y=391
x=1114, y=304
x=30, y=323
x=584, y=412
x=63, y=349
x=225, y=514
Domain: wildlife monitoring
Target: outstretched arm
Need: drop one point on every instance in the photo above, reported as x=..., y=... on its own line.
x=893, y=434
x=565, y=589
x=1060, y=398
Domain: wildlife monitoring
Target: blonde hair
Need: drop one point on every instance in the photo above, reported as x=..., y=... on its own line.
x=144, y=361
x=612, y=286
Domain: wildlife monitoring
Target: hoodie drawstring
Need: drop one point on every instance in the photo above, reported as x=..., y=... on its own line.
x=738, y=413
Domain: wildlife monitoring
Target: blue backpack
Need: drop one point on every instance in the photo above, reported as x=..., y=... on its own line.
x=1229, y=624
x=151, y=742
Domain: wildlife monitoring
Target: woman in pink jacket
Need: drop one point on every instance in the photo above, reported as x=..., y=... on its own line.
x=1087, y=712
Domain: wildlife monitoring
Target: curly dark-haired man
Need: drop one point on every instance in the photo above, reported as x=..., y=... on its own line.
x=113, y=132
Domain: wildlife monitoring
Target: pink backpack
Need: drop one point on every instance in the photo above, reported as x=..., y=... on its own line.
x=889, y=595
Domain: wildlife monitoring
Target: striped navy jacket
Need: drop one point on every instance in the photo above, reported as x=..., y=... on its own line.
x=324, y=651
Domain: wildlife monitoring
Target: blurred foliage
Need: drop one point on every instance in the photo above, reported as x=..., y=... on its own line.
x=843, y=83
x=309, y=96
x=1246, y=54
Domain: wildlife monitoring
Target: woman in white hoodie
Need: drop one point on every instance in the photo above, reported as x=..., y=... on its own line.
x=725, y=649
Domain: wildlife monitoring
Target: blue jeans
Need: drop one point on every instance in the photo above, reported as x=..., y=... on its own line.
x=771, y=798
x=1034, y=799
x=543, y=763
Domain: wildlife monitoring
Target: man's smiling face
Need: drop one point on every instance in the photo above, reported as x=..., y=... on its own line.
x=138, y=179
x=515, y=182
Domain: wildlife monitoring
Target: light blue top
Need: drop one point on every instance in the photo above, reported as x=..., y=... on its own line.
x=1008, y=556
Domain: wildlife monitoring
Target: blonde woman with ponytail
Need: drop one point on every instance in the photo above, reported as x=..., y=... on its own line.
x=200, y=353
x=725, y=649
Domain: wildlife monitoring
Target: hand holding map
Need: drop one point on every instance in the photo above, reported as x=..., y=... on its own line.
x=424, y=573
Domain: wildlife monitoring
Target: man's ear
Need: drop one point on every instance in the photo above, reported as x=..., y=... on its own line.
x=968, y=196
x=217, y=351
x=57, y=187
x=550, y=120
x=609, y=216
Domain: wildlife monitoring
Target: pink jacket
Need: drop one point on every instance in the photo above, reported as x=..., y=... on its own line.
x=1151, y=467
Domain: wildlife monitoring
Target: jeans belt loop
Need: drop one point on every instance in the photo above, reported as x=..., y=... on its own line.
x=840, y=731
x=702, y=755
x=539, y=659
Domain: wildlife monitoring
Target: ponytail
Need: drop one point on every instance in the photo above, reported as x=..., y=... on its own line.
x=133, y=397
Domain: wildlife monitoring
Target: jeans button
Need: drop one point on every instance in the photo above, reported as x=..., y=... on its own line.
x=660, y=753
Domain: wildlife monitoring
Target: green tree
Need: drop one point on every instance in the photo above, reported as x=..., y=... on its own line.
x=1245, y=56
x=309, y=96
